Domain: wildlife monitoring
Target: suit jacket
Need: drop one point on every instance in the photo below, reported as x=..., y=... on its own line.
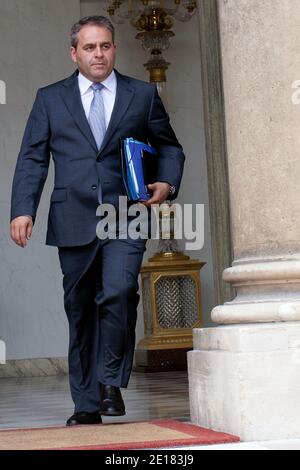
x=57, y=126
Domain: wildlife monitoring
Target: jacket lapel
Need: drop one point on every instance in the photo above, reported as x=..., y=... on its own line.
x=72, y=99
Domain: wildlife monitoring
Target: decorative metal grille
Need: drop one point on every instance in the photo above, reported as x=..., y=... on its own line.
x=176, y=302
x=147, y=305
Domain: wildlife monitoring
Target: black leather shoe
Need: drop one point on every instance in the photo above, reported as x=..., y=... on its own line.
x=111, y=403
x=84, y=418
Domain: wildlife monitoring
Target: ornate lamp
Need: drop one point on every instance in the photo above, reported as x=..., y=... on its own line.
x=171, y=291
x=154, y=20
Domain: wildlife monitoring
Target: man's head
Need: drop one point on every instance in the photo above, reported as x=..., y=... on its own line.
x=93, y=48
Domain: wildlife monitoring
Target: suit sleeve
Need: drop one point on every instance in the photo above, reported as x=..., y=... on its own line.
x=163, y=138
x=33, y=162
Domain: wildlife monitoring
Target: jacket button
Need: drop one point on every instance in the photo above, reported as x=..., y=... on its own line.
x=94, y=187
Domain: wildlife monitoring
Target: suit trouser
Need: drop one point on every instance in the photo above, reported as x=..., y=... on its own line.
x=101, y=297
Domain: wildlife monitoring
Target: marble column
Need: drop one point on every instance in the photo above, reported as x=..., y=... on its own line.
x=245, y=374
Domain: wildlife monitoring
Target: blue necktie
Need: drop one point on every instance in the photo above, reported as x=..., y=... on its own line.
x=97, y=120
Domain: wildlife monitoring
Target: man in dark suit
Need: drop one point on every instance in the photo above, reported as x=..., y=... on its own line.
x=79, y=121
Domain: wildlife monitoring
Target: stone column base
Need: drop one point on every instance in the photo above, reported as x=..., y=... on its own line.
x=245, y=380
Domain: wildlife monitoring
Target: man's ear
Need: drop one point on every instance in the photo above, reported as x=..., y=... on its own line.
x=73, y=54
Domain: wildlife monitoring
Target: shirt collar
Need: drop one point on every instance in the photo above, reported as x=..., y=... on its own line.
x=110, y=83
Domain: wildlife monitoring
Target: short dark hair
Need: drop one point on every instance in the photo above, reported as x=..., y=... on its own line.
x=93, y=20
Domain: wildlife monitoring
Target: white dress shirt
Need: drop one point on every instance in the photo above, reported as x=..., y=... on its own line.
x=108, y=92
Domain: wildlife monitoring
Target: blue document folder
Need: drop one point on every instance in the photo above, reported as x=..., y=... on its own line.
x=139, y=168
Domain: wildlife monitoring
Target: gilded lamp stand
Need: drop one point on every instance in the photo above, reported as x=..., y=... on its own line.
x=171, y=291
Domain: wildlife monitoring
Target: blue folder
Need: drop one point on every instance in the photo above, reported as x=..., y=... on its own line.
x=139, y=168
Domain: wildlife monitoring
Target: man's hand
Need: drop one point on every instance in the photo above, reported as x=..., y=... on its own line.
x=21, y=229
x=160, y=192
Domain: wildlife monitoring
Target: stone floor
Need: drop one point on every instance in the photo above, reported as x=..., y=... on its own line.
x=45, y=401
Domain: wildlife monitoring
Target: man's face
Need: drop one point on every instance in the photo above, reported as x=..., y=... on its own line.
x=95, y=53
